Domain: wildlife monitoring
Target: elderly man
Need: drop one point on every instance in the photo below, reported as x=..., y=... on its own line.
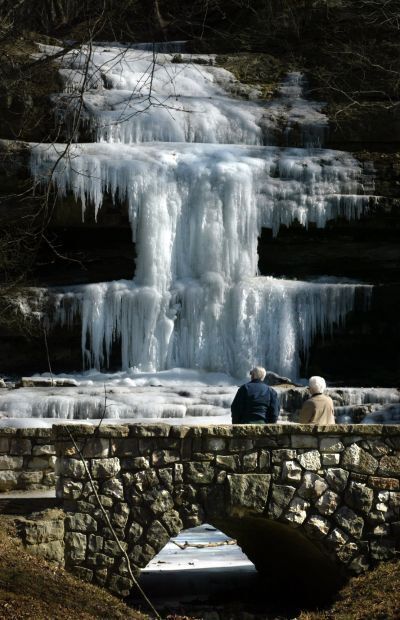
x=319, y=408
x=255, y=402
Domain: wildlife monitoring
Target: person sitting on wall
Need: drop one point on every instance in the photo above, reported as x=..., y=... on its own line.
x=319, y=408
x=255, y=402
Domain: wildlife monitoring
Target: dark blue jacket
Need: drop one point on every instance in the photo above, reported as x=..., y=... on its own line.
x=253, y=401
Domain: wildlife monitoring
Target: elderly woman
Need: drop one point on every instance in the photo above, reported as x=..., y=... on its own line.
x=255, y=402
x=319, y=408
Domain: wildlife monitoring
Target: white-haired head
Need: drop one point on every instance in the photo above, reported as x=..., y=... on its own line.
x=317, y=385
x=258, y=373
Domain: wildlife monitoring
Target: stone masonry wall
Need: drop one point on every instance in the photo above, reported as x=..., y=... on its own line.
x=27, y=459
x=338, y=485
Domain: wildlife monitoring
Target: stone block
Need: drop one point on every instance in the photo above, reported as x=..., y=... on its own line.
x=178, y=472
x=249, y=462
x=52, y=551
x=113, y=488
x=165, y=457
x=214, y=444
x=389, y=465
x=310, y=460
x=80, y=522
x=221, y=477
x=240, y=444
x=166, y=478
x=280, y=498
x=105, y=468
x=346, y=552
x=383, y=549
x=138, y=463
x=27, y=478
x=297, y=512
x=96, y=448
x=247, y=493
x=304, y=441
x=359, y=565
x=376, y=447
x=120, y=585
x=85, y=574
x=101, y=576
x=42, y=462
x=349, y=521
x=337, y=478
x=172, y=522
x=264, y=461
x=4, y=445
x=327, y=503
x=20, y=446
x=11, y=463
x=105, y=501
x=70, y=489
x=356, y=459
x=291, y=471
x=72, y=468
x=99, y=560
x=141, y=554
x=124, y=447
x=134, y=533
x=43, y=531
x=144, y=480
x=75, y=546
x=43, y=450
x=330, y=445
x=312, y=486
x=162, y=503
x=81, y=506
x=359, y=496
x=198, y=473
x=112, y=548
x=121, y=514
x=337, y=537
x=157, y=536
x=380, y=483
x=229, y=462
x=49, y=478
x=317, y=527
x=149, y=430
x=278, y=456
x=330, y=460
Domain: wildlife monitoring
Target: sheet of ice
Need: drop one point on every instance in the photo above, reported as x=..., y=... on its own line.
x=199, y=551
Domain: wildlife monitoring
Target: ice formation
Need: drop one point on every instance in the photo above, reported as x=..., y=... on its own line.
x=200, y=176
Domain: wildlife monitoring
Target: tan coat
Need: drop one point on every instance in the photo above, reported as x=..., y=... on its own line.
x=317, y=410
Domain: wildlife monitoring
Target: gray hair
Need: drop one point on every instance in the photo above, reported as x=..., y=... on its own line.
x=258, y=373
x=317, y=385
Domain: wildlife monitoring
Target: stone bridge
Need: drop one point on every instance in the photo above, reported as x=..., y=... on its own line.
x=304, y=502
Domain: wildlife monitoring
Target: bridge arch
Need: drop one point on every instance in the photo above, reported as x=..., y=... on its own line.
x=282, y=491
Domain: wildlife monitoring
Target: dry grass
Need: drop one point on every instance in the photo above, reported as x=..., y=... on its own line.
x=31, y=588
x=372, y=596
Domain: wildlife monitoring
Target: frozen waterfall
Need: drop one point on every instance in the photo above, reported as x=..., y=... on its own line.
x=200, y=176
